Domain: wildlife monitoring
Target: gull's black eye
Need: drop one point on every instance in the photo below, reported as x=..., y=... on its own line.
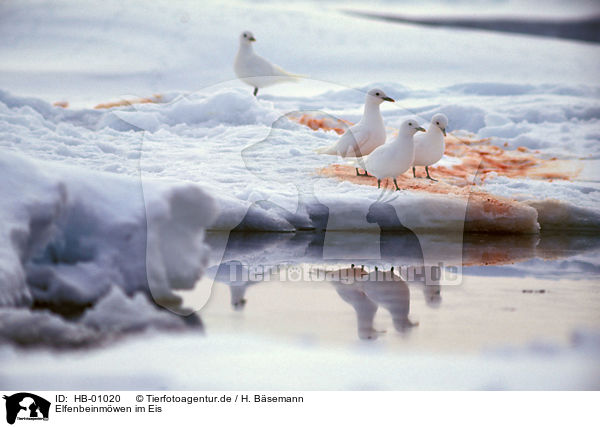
x=376, y=93
x=437, y=123
x=410, y=124
x=245, y=35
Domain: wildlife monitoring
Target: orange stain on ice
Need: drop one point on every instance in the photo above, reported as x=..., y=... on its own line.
x=480, y=204
x=477, y=156
x=339, y=126
x=488, y=159
x=126, y=102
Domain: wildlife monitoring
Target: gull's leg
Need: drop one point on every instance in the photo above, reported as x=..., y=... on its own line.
x=427, y=170
x=378, y=183
x=396, y=184
x=414, y=173
x=255, y=91
x=357, y=172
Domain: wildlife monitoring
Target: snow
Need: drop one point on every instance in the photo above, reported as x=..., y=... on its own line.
x=239, y=148
x=139, y=48
x=105, y=211
x=566, y=205
x=266, y=364
x=72, y=234
x=113, y=315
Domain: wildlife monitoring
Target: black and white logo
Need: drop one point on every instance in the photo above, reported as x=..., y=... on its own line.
x=26, y=406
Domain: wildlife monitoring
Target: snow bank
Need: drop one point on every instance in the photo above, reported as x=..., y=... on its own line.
x=72, y=235
x=557, y=215
x=512, y=89
x=560, y=205
x=113, y=315
x=219, y=107
x=260, y=167
x=116, y=314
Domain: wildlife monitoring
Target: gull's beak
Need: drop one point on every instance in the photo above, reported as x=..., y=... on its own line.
x=443, y=131
x=252, y=39
x=387, y=98
x=420, y=129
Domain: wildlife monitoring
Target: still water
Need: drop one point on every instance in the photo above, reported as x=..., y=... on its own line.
x=483, y=291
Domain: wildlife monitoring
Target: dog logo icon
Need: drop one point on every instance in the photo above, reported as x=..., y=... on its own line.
x=26, y=406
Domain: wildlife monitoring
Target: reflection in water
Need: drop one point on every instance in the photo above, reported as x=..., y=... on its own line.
x=237, y=277
x=390, y=292
x=368, y=285
x=364, y=307
x=404, y=244
x=366, y=292
x=433, y=294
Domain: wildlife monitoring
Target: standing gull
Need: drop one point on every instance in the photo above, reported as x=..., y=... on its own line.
x=365, y=136
x=255, y=70
x=429, y=147
x=396, y=157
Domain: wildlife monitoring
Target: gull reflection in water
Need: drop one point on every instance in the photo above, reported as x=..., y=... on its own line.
x=431, y=287
x=237, y=277
x=398, y=242
x=367, y=291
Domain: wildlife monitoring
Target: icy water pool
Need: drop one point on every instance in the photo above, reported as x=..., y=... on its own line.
x=508, y=290
x=310, y=311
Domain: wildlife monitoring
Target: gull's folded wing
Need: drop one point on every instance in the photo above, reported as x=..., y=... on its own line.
x=351, y=143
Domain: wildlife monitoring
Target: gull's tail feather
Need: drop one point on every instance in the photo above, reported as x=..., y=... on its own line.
x=288, y=76
x=332, y=149
x=295, y=77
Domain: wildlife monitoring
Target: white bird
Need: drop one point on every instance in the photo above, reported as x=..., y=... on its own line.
x=395, y=157
x=365, y=136
x=429, y=147
x=255, y=70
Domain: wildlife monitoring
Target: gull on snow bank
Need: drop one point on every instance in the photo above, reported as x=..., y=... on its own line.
x=429, y=147
x=255, y=70
x=365, y=136
x=396, y=157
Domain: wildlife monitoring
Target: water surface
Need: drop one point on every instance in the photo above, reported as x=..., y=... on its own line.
x=502, y=290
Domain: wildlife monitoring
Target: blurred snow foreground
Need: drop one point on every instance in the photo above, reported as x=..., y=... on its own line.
x=247, y=362
x=75, y=239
